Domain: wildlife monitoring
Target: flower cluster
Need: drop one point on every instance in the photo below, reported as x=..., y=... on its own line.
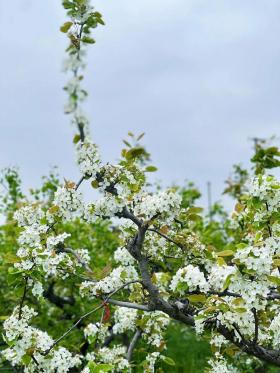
x=125, y=320
x=189, y=278
x=154, y=327
x=258, y=259
x=150, y=362
x=117, y=278
x=88, y=159
x=26, y=342
x=29, y=215
x=38, y=250
x=69, y=202
x=218, y=275
x=122, y=256
x=275, y=330
x=220, y=365
x=266, y=188
x=95, y=332
x=166, y=203
x=113, y=357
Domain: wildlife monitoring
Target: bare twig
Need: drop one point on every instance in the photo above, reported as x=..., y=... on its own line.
x=166, y=237
x=256, y=326
x=23, y=298
x=133, y=343
x=239, y=332
x=79, y=182
x=72, y=327
x=79, y=259
x=86, y=315
x=136, y=306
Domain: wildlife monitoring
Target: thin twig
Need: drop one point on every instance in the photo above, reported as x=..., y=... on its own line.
x=268, y=225
x=133, y=343
x=256, y=326
x=239, y=332
x=99, y=327
x=79, y=182
x=22, y=298
x=86, y=315
x=79, y=259
x=72, y=327
x=166, y=237
x=136, y=306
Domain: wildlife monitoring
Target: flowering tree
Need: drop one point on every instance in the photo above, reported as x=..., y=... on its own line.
x=162, y=258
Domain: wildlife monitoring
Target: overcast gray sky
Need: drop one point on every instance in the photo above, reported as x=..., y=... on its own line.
x=198, y=77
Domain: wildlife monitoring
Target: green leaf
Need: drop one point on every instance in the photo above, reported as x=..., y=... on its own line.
x=194, y=210
x=100, y=21
x=194, y=217
x=276, y=262
x=274, y=279
x=227, y=282
x=11, y=258
x=221, y=261
x=104, y=368
x=241, y=246
x=182, y=286
x=67, y=5
x=88, y=40
x=140, y=136
x=197, y=298
x=225, y=253
x=94, y=368
x=26, y=359
x=76, y=139
x=167, y=360
x=95, y=184
x=127, y=144
x=66, y=27
x=150, y=169
x=134, y=153
x=240, y=310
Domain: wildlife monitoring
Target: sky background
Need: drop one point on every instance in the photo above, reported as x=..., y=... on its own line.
x=198, y=77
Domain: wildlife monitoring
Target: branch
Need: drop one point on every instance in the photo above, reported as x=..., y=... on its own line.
x=79, y=259
x=134, y=247
x=23, y=298
x=238, y=332
x=85, y=316
x=256, y=326
x=55, y=299
x=219, y=293
x=72, y=327
x=80, y=181
x=133, y=343
x=136, y=306
x=166, y=237
x=270, y=296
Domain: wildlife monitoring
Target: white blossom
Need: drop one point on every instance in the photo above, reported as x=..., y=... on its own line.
x=189, y=278
x=88, y=159
x=221, y=366
x=69, y=201
x=122, y=256
x=125, y=319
